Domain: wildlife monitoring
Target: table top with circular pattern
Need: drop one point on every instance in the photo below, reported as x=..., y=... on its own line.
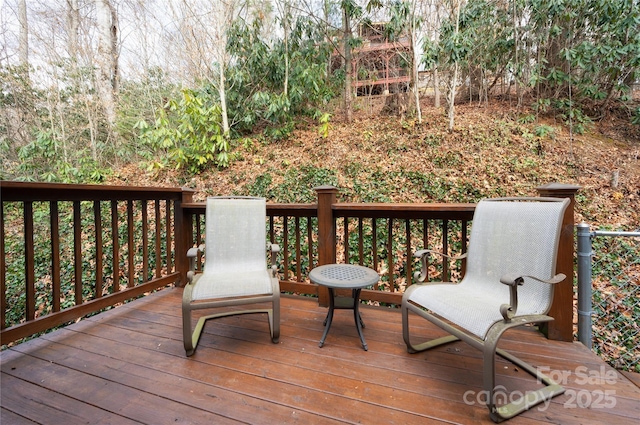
x=348, y=276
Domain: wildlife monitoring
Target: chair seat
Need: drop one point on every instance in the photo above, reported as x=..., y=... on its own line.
x=473, y=310
x=238, y=284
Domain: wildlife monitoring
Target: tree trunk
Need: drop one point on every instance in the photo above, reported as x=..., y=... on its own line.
x=73, y=26
x=436, y=87
x=348, y=103
x=107, y=61
x=223, y=101
x=24, y=34
x=414, y=68
x=286, y=15
x=451, y=98
x=436, y=74
x=516, y=48
x=225, y=16
x=454, y=79
x=325, y=9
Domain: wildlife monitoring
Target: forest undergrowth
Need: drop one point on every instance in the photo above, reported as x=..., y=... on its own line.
x=493, y=150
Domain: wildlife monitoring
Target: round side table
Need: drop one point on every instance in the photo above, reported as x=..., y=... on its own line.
x=344, y=276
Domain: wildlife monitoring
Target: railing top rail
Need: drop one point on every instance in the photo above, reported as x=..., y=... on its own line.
x=615, y=234
x=377, y=210
x=30, y=191
x=406, y=210
x=299, y=210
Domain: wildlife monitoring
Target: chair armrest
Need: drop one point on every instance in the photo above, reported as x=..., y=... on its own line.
x=513, y=280
x=424, y=252
x=192, y=253
x=421, y=276
x=274, y=249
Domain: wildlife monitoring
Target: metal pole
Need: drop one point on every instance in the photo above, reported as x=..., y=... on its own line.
x=584, y=284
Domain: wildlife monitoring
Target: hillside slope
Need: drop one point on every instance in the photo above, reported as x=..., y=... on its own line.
x=381, y=158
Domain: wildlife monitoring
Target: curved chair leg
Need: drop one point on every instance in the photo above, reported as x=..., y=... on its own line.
x=411, y=348
x=529, y=399
x=192, y=336
x=274, y=321
x=191, y=339
x=187, y=336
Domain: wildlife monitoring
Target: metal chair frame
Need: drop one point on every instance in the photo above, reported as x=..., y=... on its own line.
x=191, y=336
x=487, y=344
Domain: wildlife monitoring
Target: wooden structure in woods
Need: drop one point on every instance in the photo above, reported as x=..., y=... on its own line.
x=380, y=65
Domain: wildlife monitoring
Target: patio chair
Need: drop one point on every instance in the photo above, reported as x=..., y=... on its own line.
x=235, y=270
x=509, y=281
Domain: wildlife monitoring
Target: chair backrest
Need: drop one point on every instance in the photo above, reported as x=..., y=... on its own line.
x=235, y=236
x=516, y=235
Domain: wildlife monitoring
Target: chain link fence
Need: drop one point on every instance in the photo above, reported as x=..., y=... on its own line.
x=614, y=313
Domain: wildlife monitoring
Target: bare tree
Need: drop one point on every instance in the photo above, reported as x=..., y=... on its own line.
x=224, y=15
x=346, y=41
x=416, y=7
x=107, y=59
x=205, y=52
x=73, y=27
x=284, y=9
x=453, y=82
x=436, y=75
x=24, y=33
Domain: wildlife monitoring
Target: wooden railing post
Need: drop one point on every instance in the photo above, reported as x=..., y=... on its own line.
x=561, y=328
x=183, y=235
x=326, y=233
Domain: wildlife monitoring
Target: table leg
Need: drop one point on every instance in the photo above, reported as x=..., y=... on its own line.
x=356, y=298
x=358, y=319
x=328, y=319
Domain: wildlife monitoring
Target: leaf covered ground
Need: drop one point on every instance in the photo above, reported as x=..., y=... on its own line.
x=491, y=152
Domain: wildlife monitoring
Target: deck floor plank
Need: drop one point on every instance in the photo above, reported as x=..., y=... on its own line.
x=128, y=364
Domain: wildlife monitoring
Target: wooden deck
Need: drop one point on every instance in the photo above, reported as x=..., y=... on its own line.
x=128, y=366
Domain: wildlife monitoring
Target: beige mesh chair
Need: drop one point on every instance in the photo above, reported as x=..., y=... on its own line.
x=509, y=281
x=235, y=269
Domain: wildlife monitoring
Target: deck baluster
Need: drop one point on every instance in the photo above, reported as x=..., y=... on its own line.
x=285, y=242
x=390, y=254
x=310, y=243
x=346, y=240
x=130, y=245
x=54, y=222
x=445, y=250
x=298, y=255
x=77, y=251
x=360, y=242
x=29, y=264
x=3, y=285
x=145, y=240
x=408, y=253
x=169, y=237
x=158, y=239
x=97, y=219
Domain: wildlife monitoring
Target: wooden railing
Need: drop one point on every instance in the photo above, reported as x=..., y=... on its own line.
x=161, y=224
x=382, y=228
x=322, y=233
x=70, y=250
